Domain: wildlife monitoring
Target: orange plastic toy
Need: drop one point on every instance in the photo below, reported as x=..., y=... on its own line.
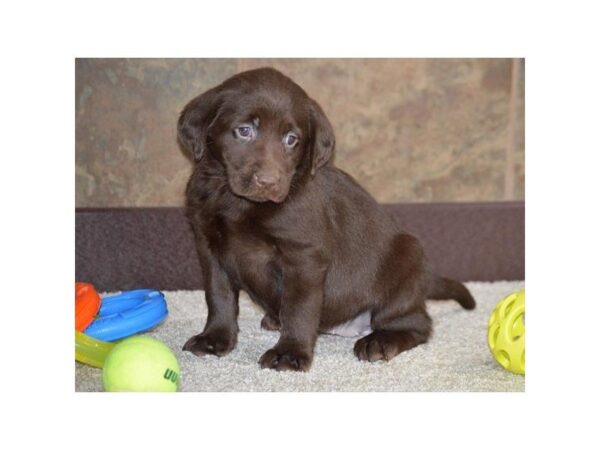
x=87, y=305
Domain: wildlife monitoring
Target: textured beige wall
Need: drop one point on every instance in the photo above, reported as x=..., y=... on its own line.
x=409, y=130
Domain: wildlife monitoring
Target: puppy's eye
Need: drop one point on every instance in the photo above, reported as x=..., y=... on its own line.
x=245, y=132
x=290, y=140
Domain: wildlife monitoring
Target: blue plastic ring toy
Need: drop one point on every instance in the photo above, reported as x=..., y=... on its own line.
x=128, y=313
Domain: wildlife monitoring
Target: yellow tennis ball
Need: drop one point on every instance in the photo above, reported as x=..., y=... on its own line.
x=506, y=332
x=140, y=364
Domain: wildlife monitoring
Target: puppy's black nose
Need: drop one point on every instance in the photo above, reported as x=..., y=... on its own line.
x=266, y=179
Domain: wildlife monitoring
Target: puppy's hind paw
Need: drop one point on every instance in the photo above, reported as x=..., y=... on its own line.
x=270, y=323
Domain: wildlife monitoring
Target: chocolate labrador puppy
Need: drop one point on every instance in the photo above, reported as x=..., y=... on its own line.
x=272, y=216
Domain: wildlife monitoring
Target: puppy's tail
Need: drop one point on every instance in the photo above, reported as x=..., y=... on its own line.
x=441, y=288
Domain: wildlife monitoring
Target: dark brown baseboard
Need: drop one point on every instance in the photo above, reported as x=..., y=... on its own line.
x=117, y=249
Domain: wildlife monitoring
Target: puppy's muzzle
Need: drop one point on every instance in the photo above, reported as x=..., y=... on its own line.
x=266, y=180
x=269, y=186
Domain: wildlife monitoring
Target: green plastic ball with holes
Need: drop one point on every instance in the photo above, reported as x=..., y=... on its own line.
x=506, y=332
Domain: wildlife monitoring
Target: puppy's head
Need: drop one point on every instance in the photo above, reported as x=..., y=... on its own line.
x=262, y=128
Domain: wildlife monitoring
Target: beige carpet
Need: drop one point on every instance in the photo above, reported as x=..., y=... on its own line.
x=455, y=359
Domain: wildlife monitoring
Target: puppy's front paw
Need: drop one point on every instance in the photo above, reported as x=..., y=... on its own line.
x=288, y=359
x=210, y=343
x=377, y=346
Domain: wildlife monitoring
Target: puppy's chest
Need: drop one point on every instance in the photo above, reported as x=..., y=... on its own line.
x=243, y=248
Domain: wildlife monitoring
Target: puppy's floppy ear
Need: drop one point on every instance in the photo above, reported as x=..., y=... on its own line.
x=323, y=139
x=195, y=121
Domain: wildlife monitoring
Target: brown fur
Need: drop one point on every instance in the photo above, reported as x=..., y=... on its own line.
x=304, y=240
